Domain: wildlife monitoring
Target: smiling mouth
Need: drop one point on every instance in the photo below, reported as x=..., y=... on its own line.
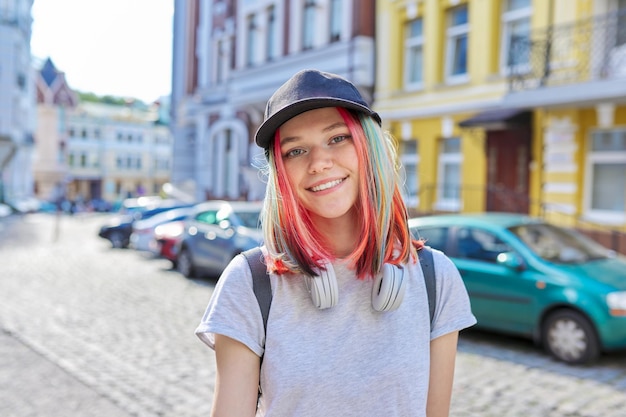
x=326, y=186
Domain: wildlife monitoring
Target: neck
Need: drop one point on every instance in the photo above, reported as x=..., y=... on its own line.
x=341, y=233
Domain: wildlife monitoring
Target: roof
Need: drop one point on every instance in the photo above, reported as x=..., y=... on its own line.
x=498, y=119
x=505, y=220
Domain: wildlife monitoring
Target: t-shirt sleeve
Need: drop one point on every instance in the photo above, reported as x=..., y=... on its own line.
x=453, y=309
x=233, y=309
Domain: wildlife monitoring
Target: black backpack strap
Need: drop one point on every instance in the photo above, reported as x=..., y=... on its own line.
x=425, y=255
x=260, y=281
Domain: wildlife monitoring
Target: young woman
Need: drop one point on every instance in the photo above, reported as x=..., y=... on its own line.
x=336, y=242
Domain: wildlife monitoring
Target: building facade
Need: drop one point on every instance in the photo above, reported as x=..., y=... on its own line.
x=508, y=105
x=115, y=152
x=55, y=102
x=92, y=151
x=17, y=102
x=230, y=56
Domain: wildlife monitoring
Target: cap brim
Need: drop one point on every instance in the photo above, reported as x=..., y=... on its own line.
x=266, y=131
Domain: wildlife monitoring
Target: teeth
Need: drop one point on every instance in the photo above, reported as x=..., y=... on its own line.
x=326, y=186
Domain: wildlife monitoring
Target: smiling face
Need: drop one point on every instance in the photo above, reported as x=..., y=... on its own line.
x=321, y=163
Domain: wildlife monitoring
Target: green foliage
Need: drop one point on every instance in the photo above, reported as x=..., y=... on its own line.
x=118, y=101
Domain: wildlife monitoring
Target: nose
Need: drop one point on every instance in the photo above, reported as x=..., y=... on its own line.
x=320, y=159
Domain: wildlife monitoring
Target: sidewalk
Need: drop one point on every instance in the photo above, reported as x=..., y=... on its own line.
x=33, y=386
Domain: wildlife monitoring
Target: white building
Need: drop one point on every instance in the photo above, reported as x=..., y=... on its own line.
x=116, y=152
x=17, y=102
x=230, y=56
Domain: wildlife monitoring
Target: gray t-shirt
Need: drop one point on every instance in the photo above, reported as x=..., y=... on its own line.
x=348, y=360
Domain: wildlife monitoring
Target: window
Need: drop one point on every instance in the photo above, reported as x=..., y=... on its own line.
x=271, y=41
x=456, y=48
x=436, y=237
x=409, y=159
x=515, y=48
x=250, y=44
x=335, y=20
x=449, y=174
x=308, y=25
x=223, y=59
x=621, y=23
x=606, y=168
x=414, y=53
x=480, y=245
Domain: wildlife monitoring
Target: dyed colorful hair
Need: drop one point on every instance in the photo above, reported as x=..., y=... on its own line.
x=295, y=245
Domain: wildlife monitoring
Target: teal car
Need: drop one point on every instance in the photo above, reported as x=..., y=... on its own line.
x=534, y=279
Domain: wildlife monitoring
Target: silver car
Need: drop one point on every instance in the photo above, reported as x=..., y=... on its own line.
x=215, y=233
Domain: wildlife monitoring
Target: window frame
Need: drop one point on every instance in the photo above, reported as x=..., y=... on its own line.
x=453, y=34
x=413, y=44
x=594, y=158
x=335, y=20
x=509, y=18
x=445, y=159
x=309, y=16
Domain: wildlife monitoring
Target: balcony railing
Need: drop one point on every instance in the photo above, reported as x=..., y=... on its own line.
x=586, y=50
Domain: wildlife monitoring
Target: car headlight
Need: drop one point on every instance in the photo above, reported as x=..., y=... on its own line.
x=617, y=303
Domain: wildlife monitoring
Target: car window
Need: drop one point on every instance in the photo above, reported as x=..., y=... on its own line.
x=435, y=237
x=558, y=244
x=208, y=217
x=479, y=244
x=249, y=219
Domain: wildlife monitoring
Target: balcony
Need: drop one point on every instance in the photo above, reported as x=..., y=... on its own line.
x=579, y=63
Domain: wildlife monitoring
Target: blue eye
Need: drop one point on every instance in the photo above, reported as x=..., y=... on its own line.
x=293, y=153
x=340, y=138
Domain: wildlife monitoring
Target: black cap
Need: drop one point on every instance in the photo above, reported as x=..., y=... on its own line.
x=309, y=90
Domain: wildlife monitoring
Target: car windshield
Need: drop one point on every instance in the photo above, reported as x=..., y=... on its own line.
x=249, y=218
x=559, y=245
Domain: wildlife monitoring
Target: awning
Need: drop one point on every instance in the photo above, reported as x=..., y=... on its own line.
x=498, y=119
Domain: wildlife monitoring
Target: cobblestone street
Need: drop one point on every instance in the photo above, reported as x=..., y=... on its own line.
x=86, y=330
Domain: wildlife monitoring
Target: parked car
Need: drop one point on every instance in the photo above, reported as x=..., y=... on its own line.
x=215, y=234
x=166, y=239
x=531, y=278
x=142, y=231
x=119, y=228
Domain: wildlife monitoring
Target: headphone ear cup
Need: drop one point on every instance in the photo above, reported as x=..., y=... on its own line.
x=323, y=288
x=389, y=288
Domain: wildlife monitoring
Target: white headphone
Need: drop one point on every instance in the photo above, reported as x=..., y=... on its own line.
x=387, y=290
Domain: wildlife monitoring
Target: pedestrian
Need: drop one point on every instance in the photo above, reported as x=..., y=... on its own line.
x=336, y=240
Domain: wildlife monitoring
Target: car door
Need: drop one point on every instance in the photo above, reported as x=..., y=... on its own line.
x=214, y=244
x=502, y=296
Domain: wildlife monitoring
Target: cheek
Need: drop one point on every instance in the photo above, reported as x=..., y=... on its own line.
x=294, y=173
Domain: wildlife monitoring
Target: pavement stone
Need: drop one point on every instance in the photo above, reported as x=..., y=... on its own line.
x=86, y=330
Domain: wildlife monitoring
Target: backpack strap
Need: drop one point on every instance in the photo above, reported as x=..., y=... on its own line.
x=260, y=281
x=425, y=255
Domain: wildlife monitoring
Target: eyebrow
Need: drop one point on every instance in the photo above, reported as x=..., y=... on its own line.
x=284, y=141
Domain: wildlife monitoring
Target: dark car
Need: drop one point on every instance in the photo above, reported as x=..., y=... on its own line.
x=215, y=234
x=120, y=227
x=528, y=277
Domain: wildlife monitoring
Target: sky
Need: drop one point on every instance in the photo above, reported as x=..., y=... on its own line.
x=121, y=48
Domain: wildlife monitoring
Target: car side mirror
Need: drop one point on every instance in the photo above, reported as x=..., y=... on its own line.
x=511, y=260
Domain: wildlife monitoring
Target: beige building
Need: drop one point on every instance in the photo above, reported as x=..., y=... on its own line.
x=93, y=151
x=116, y=152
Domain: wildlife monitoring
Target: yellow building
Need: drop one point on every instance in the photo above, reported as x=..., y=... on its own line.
x=508, y=105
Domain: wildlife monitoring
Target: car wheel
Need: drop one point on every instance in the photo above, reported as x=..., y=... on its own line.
x=117, y=240
x=570, y=337
x=184, y=263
